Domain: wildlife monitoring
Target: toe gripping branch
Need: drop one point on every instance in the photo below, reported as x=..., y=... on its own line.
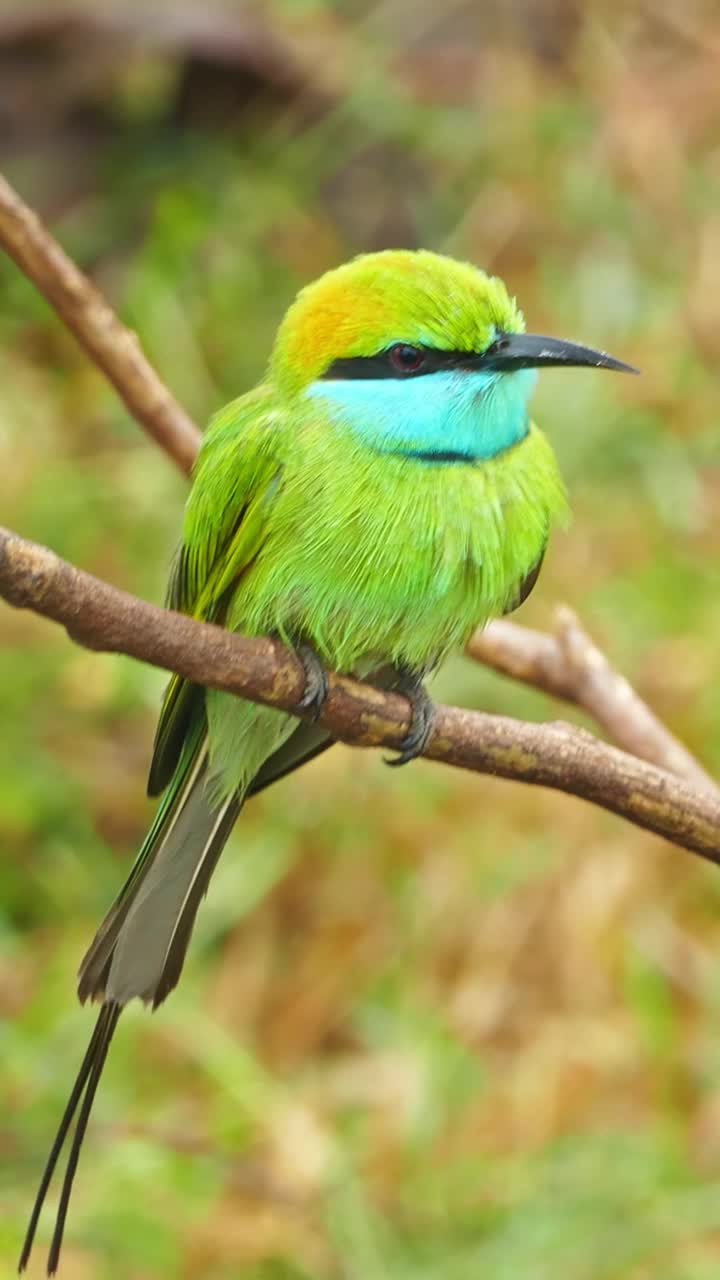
x=422, y=722
x=316, y=680
x=406, y=681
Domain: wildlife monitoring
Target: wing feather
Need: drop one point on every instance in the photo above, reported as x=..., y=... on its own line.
x=226, y=519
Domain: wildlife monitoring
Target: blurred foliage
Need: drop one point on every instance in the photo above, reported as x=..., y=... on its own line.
x=431, y=1025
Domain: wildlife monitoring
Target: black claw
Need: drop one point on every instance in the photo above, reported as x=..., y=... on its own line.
x=316, y=680
x=423, y=718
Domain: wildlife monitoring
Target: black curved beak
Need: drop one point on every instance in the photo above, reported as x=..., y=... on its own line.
x=531, y=351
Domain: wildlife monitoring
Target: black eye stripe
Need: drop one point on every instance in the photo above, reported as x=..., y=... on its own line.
x=381, y=365
x=507, y=353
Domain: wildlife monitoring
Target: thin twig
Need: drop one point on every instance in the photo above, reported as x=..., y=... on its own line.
x=553, y=755
x=570, y=666
x=115, y=349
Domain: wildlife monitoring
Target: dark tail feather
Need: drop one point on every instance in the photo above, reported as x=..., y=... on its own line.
x=140, y=947
x=178, y=945
x=84, y=1089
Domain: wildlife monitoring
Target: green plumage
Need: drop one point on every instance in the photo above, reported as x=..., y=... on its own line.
x=300, y=527
x=348, y=505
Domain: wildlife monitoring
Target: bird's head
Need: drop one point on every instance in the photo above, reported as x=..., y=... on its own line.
x=394, y=338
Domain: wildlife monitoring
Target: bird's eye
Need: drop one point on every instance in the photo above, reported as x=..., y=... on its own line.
x=406, y=359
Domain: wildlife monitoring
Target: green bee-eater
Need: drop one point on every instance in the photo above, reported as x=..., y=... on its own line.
x=378, y=496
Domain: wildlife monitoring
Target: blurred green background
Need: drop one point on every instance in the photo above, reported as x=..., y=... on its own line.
x=431, y=1025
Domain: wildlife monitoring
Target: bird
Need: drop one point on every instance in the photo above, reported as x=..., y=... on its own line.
x=379, y=495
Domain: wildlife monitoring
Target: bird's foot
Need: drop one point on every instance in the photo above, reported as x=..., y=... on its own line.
x=316, y=680
x=423, y=717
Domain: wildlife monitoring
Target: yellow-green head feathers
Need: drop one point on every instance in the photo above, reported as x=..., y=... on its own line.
x=378, y=299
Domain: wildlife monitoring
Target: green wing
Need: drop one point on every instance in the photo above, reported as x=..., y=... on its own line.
x=226, y=517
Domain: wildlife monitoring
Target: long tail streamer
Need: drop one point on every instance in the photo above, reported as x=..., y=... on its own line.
x=83, y=1094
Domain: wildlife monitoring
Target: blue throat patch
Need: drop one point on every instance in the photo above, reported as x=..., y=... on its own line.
x=448, y=416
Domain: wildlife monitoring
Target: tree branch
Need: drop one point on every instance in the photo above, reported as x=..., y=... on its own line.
x=556, y=755
x=568, y=665
x=115, y=349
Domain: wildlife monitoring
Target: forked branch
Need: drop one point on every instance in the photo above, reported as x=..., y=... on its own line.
x=557, y=755
x=566, y=665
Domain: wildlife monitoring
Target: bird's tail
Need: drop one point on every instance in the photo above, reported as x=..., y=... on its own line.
x=83, y=1094
x=140, y=947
